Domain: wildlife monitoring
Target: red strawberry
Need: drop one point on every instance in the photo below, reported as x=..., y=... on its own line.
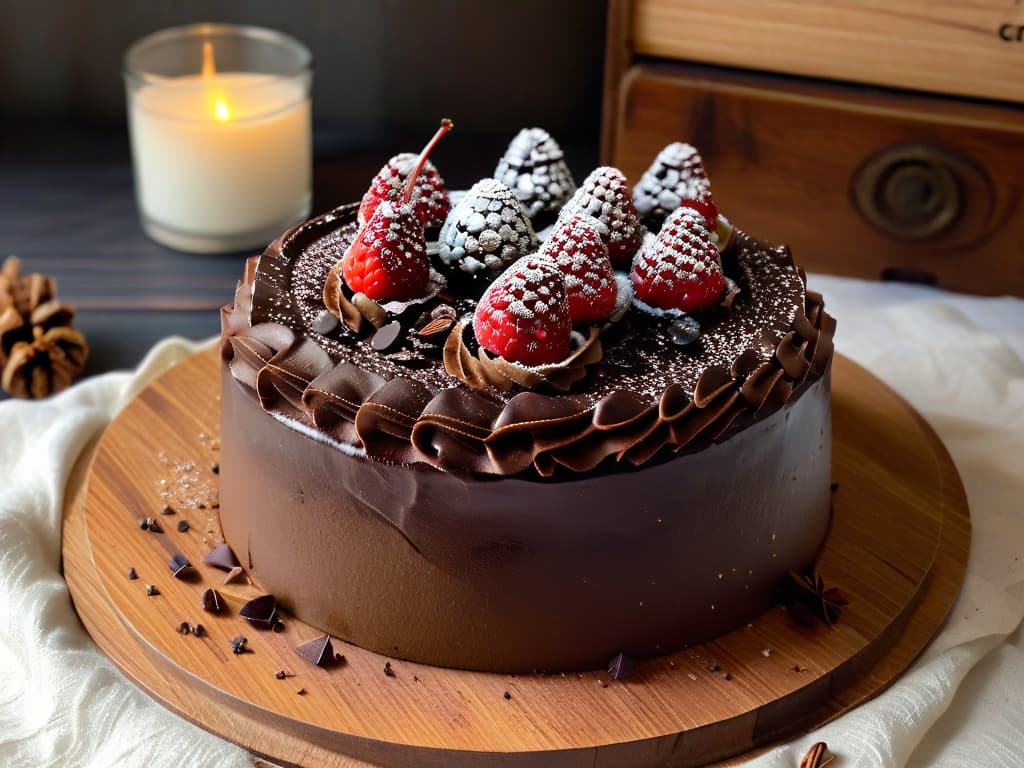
x=430, y=196
x=576, y=247
x=605, y=195
x=675, y=177
x=681, y=269
x=524, y=315
x=388, y=257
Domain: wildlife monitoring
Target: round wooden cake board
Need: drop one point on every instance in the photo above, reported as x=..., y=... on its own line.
x=897, y=549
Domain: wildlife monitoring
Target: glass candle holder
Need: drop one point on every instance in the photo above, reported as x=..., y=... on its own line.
x=220, y=124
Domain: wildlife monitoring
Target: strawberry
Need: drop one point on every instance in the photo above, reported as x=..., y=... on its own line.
x=430, y=196
x=675, y=178
x=387, y=259
x=576, y=247
x=534, y=167
x=605, y=195
x=524, y=315
x=681, y=269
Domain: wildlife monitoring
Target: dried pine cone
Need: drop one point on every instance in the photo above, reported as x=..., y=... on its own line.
x=45, y=365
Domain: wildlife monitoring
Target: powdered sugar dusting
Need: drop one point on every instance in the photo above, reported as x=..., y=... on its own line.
x=534, y=167
x=676, y=174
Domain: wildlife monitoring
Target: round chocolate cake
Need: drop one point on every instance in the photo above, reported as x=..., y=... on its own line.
x=395, y=476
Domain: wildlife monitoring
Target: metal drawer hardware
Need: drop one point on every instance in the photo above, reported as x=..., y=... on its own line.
x=909, y=191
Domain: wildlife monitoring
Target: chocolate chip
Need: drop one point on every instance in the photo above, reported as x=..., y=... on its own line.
x=182, y=526
x=301, y=692
x=215, y=469
x=278, y=625
x=211, y=601
x=684, y=331
x=198, y=630
x=280, y=674
x=386, y=336
x=166, y=510
x=144, y=524
x=318, y=651
x=388, y=671
x=180, y=566
x=339, y=660
x=151, y=590
x=239, y=644
x=508, y=696
x=132, y=574
x=221, y=557
x=185, y=628
x=260, y=610
x=325, y=323
x=153, y=526
x=621, y=666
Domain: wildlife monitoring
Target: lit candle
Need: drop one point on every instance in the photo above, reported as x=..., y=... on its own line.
x=222, y=158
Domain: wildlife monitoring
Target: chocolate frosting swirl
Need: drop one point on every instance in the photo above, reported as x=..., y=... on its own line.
x=752, y=359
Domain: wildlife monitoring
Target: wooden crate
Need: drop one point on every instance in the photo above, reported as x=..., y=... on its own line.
x=968, y=48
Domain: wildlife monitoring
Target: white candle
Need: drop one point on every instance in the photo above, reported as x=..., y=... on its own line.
x=222, y=160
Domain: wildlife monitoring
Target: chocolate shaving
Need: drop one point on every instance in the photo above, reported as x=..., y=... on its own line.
x=620, y=667
x=180, y=566
x=211, y=601
x=318, y=651
x=221, y=557
x=260, y=610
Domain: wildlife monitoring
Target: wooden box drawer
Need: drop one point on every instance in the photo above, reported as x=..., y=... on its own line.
x=859, y=182
x=971, y=49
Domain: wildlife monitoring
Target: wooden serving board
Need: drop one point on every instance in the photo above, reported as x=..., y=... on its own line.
x=898, y=549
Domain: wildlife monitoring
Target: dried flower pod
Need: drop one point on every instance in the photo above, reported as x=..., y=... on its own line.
x=47, y=364
x=23, y=292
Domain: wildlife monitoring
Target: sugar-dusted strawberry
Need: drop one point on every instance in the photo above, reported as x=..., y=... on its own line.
x=534, y=168
x=579, y=251
x=388, y=256
x=676, y=177
x=430, y=196
x=681, y=268
x=605, y=195
x=524, y=315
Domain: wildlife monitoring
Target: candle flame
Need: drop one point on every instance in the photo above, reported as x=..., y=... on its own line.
x=221, y=110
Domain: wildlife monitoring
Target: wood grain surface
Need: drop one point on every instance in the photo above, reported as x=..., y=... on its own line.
x=898, y=548
x=969, y=49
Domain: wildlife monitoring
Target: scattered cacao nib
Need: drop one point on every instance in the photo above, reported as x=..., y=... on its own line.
x=280, y=674
x=726, y=676
x=183, y=526
x=388, y=671
x=278, y=625
x=385, y=337
x=340, y=660
x=817, y=757
x=144, y=524
x=132, y=574
x=166, y=510
x=235, y=574
x=684, y=331
x=215, y=469
x=221, y=557
x=807, y=591
x=508, y=696
x=198, y=630
x=185, y=628
x=620, y=667
x=325, y=323
x=153, y=526
x=151, y=590
x=239, y=644
x=260, y=610
x=211, y=601
x=180, y=566
x=318, y=651
x=301, y=692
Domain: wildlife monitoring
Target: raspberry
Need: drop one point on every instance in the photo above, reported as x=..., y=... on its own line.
x=388, y=258
x=524, y=315
x=676, y=176
x=577, y=249
x=605, y=196
x=681, y=269
x=430, y=196
x=534, y=168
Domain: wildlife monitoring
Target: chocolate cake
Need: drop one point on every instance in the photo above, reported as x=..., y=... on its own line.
x=391, y=477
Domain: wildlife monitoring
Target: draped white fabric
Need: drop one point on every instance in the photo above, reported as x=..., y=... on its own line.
x=959, y=360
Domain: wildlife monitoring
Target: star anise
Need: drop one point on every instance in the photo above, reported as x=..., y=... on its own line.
x=817, y=757
x=807, y=591
x=48, y=363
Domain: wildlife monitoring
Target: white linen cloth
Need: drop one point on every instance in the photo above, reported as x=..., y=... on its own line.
x=959, y=360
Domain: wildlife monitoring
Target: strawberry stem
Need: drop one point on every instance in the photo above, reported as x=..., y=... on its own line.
x=410, y=183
